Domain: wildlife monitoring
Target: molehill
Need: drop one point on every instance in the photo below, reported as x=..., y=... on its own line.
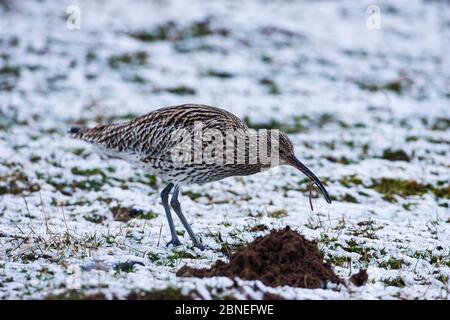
x=282, y=257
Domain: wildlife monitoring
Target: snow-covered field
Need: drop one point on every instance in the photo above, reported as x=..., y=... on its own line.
x=367, y=109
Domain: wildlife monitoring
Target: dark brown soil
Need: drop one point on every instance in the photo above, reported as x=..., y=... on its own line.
x=283, y=257
x=360, y=278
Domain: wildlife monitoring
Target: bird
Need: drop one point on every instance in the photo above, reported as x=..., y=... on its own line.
x=193, y=144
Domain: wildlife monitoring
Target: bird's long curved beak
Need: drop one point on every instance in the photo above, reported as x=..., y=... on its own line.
x=293, y=161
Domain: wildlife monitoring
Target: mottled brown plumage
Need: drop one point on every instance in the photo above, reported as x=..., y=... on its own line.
x=193, y=144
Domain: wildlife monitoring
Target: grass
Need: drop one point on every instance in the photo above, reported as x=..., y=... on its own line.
x=443, y=192
x=145, y=179
x=441, y=124
x=94, y=218
x=193, y=195
x=389, y=188
x=395, y=86
x=158, y=34
x=339, y=261
x=76, y=295
x=395, y=282
x=270, y=85
x=89, y=185
x=55, y=246
x=175, y=258
x=277, y=214
x=408, y=206
x=169, y=293
x=392, y=264
x=349, y=181
x=352, y=246
x=296, y=127
x=128, y=266
x=170, y=31
x=181, y=90
x=341, y=160
x=229, y=249
x=298, y=124
x=395, y=155
x=366, y=229
x=137, y=79
x=128, y=59
x=10, y=70
x=17, y=183
x=433, y=259
x=94, y=179
x=87, y=172
x=349, y=198
x=258, y=228
x=78, y=151
x=219, y=74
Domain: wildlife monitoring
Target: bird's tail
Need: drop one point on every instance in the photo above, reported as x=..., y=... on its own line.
x=76, y=132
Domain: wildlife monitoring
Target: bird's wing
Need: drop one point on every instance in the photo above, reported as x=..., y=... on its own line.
x=155, y=134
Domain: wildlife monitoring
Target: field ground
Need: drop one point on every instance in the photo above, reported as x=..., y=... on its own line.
x=368, y=111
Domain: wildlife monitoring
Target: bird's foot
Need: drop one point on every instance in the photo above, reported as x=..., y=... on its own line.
x=174, y=242
x=199, y=245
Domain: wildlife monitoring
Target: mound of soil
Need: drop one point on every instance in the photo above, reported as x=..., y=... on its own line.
x=283, y=257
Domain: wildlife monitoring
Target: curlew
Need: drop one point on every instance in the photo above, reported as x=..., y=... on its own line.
x=193, y=144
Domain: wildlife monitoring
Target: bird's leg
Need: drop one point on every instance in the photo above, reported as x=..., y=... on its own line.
x=176, y=206
x=165, y=201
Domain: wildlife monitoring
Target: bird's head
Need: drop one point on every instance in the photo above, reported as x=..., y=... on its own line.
x=287, y=157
